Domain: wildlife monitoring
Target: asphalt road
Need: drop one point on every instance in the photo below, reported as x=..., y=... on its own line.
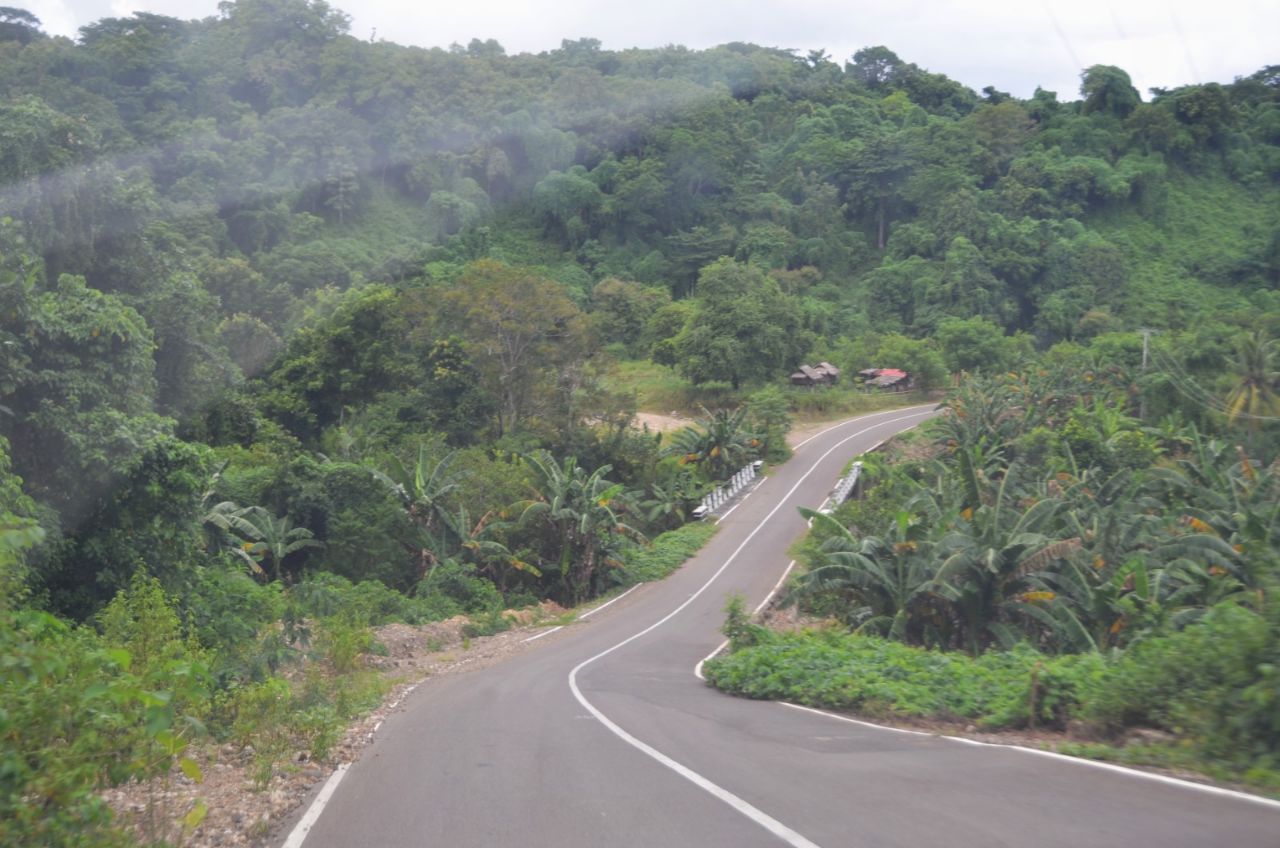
x=603, y=736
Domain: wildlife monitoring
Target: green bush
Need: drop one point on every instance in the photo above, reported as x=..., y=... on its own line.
x=79, y=711
x=875, y=676
x=62, y=716
x=486, y=624
x=666, y=552
x=229, y=612
x=453, y=588
x=321, y=595
x=343, y=641
x=1215, y=682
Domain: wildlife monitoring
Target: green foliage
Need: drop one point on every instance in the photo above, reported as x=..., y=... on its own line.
x=1213, y=683
x=60, y=726
x=229, y=614
x=771, y=418
x=77, y=377
x=743, y=327
x=521, y=329
x=343, y=641
x=720, y=443
x=580, y=516
x=666, y=552
x=79, y=712
x=1049, y=515
x=453, y=588
x=145, y=521
x=738, y=628
x=976, y=344
x=883, y=678
x=343, y=362
x=1107, y=89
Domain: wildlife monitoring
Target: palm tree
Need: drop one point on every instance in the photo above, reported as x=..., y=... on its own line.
x=231, y=530
x=1221, y=494
x=479, y=546
x=226, y=525
x=424, y=488
x=1255, y=397
x=720, y=443
x=1138, y=567
x=989, y=553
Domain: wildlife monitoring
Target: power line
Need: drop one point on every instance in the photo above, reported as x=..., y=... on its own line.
x=1188, y=387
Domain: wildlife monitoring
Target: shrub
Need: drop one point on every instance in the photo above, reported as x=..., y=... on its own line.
x=1215, y=681
x=486, y=624
x=60, y=717
x=833, y=669
x=453, y=588
x=228, y=612
x=666, y=552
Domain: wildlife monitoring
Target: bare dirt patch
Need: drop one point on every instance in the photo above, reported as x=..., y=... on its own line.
x=658, y=423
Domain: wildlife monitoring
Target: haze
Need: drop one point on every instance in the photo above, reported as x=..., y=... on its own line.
x=1015, y=46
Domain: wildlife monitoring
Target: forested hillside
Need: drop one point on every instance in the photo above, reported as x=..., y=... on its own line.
x=282, y=310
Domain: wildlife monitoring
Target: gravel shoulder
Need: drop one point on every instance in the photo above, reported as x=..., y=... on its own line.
x=242, y=814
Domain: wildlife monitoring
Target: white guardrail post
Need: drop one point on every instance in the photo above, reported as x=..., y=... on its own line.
x=721, y=495
x=846, y=485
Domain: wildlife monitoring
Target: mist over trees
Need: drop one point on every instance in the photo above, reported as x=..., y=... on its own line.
x=280, y=307
x=228, y=229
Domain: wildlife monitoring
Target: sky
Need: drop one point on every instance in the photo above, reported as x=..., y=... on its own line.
x=1015, y=45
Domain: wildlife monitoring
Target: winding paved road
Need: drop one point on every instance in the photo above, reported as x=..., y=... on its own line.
x=603, y=736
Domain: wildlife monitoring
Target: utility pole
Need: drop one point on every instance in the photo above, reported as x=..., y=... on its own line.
x=1142, y=391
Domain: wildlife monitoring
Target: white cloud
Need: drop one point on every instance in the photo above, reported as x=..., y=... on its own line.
x=1012, y=44
x=55, y=17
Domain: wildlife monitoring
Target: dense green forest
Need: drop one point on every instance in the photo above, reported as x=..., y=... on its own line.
x=293, y=323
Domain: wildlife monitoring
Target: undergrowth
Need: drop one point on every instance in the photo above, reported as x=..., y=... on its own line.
x=667, y=552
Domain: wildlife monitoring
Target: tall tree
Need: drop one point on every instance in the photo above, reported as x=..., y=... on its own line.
x=522, y=329
x=743, y=327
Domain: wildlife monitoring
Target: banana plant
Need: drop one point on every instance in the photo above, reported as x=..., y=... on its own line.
x=582, y=514
x=881, y=585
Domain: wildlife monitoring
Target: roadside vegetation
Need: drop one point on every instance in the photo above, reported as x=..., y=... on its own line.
x=1042, y=558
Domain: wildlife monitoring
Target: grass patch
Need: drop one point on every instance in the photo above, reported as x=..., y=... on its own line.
x=823, y=403
x=667, y=552
x=832, y=669
x=1174, y=756
x=660, y=389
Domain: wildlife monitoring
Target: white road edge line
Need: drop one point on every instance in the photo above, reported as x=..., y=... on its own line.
x=697, y=669
x=1080, y=761
x=774, y=590
x=537, y=636
x=586, y=614
x=303, y=827
x=749, y=493
x=761, y=818
x=308, y=820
